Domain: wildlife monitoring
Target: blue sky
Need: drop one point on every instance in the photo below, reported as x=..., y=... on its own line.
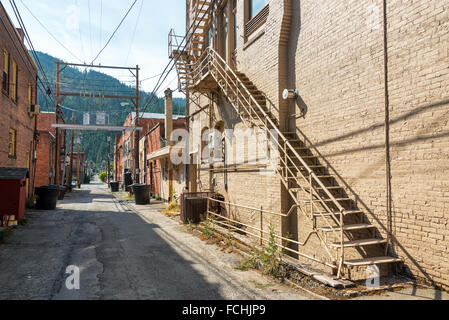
x=68, y=21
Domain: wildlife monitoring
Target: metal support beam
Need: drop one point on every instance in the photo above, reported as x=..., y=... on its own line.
x=95, y=127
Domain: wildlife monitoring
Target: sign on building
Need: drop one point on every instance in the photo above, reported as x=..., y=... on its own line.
x=101, y=118
x=86, y=118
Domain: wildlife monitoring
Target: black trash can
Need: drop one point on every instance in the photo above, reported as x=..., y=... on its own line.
x=47, y=197
x=141, y=193
x=114, y=186
x=128, y=180
x=62, y=191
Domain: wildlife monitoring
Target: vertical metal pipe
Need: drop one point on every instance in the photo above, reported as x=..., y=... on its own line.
x=57, y=142
x=136, y=132
x=261, y=225
x=387, y=128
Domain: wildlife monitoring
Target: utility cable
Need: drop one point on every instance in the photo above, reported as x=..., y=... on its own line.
x=116, y=29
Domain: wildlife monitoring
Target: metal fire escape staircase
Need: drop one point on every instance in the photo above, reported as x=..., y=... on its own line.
x=338, y=224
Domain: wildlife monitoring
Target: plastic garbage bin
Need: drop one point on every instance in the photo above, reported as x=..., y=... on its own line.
x=141, y=193
x=128, y=180
x=62, y=191
x=47, y=197
x=114, y=186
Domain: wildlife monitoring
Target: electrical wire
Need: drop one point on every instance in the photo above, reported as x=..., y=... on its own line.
x=90, y=26
x=81, y=38
x=116, y=29
x=159, y=83
x=134, y=32
x=26, y=35
x=48, y=31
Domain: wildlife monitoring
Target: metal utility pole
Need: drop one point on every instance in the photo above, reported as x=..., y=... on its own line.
x=187, y=148
x=57, y=142
x=109, y=160
x=168, y=132
x=136, y=132
x=70, y=175
x=79, y=163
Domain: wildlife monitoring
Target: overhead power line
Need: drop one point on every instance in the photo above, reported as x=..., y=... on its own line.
x=134, y=32
x=159, y=83
x=30, y=43
x=48, y=31
x=116, y=29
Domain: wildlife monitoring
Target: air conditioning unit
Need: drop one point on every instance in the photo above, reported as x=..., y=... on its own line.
x=34, y=110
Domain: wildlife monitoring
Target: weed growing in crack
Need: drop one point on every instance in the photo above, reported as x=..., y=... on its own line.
x=207, y=229
x=190, y=226
x=228, y=240
x=269, y=258
x=251, y=263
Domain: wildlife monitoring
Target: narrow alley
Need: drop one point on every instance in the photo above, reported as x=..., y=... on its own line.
x=121, y=255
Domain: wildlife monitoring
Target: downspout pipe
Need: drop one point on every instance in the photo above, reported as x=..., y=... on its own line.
x=387, y=129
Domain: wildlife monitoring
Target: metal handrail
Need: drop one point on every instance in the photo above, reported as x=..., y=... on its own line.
x=211, y=61
x=260, y=236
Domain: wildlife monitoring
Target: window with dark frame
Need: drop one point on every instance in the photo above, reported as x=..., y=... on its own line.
x=30, y=94
x=12, y=142
x=14, y=84
x=256, y=15
x=256, y=6
x=5, y=78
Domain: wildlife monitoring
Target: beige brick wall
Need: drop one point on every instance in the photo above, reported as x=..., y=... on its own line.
x=334, y=57
x=338, y=66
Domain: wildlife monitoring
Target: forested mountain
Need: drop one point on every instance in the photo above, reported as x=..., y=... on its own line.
x=75, y=80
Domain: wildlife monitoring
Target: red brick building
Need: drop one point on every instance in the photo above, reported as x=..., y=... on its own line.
x=18, y=74
x=154, y=170
x=124, y=144
x=45, y=149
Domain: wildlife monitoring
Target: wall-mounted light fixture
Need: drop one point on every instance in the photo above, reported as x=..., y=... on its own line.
x=290, y=94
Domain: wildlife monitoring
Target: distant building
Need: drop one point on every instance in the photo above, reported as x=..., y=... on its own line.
x=124, y=146
x=18, y=74
x=45, y=153
x=79, y=160
x=154, y=160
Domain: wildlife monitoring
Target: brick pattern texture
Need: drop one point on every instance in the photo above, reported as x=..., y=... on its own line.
x=332, y=52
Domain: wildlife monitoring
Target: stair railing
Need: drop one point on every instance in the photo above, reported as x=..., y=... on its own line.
x=245, y=104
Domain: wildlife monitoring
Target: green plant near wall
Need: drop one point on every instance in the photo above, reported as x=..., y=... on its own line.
x=207, y=229
x=269, y=258
x=102, y=176
x=270, y=255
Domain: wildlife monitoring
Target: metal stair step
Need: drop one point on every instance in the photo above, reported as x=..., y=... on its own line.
x=371, y=261
x=336, y=213
x=303, y=168
x=328, y=188
x=350, y=227
x=327, y=200
x=359, y=243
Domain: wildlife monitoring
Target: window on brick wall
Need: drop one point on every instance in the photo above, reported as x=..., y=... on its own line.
x=30, y=94
x=14, y=84
x=12, y=142
x=5, y=75
x=256, y=15
x=256, y=6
